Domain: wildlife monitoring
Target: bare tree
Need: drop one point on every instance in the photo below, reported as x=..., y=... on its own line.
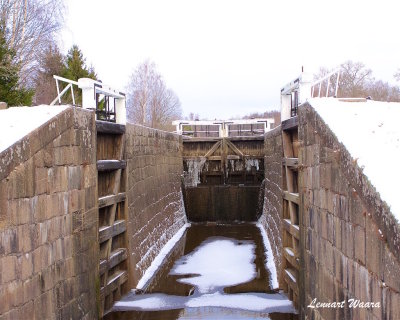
x=52, y=63
x=383, y=91
x=30, y=27
x=354, y=79
x=149, y=101
x=397, y=75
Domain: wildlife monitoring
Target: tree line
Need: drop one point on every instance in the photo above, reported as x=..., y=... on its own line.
x=357, y=81
x=29, y=57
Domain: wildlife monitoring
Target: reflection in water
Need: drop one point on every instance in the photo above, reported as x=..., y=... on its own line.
x=214, y=272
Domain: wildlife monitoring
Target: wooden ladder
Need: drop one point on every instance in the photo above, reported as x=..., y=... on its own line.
x=113, y=268
x=291, y=201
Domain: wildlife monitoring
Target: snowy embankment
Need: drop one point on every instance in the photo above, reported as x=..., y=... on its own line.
x=17, y=122
x=370, y=131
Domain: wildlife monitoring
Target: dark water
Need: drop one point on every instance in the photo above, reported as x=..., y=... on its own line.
x=165, y=283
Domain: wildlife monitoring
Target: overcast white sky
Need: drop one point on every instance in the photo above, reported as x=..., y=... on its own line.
x=226, y=58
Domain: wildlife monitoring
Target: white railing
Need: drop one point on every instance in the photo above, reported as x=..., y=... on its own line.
x=326, y=78
x=60, y=94
x=94, y=94
x=294, y=94
x=223, y=128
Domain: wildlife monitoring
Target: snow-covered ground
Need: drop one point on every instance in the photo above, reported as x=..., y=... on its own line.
x=17, y=122
x=217, y=262
x=264, y=302
x=371, y=133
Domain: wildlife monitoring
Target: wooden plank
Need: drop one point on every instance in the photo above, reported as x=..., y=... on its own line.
x=193, y=158
x=232, y=157
x=116, y=257
x=109, y=165
x=290, y=276
x=215, y=158
x=291, y=228
x=111, y=199
x=109, y=127
x=211, y=139
x=290, y=124
x=108, y=232
x=288, y=153
x=252, y=138
x=213, y=149
x=212, y=173
x=114, y=282
x=290, y=256
x=200, y=139
x=234, y=148
x=291, y=196
x=293, y=163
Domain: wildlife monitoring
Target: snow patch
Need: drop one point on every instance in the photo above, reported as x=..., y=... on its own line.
x=217, y=262
x=370, y=132
x=17, y=122
x=244, y=301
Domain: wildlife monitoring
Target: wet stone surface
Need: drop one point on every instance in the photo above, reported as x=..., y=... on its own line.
x=213, y=272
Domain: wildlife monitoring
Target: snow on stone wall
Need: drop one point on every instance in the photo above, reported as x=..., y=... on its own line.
x=155, y=202
x=370, y=131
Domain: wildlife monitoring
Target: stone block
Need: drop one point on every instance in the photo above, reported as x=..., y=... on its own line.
x=37, y=260
x=48, y=156
x=9, y=268
x=391, y=272
x=362, y=283
x=357, y=212
x=359, y=242
x=26, y=311
x=74, y=201
x=395, y=305
x=26, y=265
x=375, y=258
x=347, y=231
x=31, y=288
x=39, y=206
x=43, y=306
x=74, y=177
x=376, y=296
x=40, y=180
x=350, y=285
x=21, y=211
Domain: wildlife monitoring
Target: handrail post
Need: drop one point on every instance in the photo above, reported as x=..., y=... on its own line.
x=88, y=93
x=120, y=110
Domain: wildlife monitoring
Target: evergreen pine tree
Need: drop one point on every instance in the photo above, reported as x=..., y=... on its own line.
x=76, y=68
x=10, y=91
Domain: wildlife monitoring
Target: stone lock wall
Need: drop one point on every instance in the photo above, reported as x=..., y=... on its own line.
x=155, y=204
x=349, y=239
x=271, y=217
x=48, y=221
